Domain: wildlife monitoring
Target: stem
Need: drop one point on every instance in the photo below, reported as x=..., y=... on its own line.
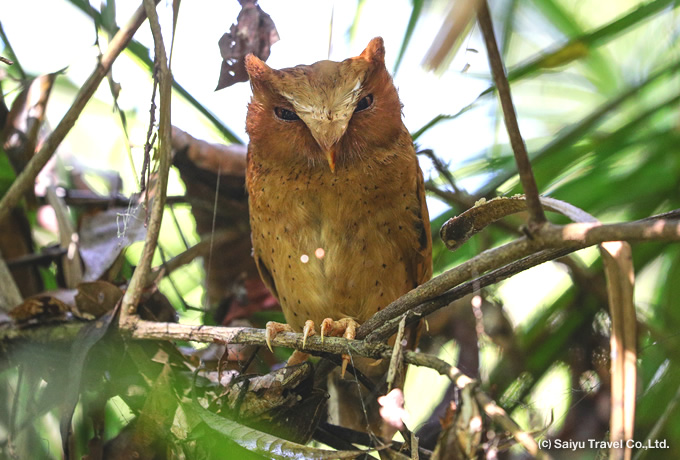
x=526, y=175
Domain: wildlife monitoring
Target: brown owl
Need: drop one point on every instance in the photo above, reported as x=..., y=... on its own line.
x=340, y=227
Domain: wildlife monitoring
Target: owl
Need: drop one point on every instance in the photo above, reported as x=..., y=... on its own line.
x=340, y=227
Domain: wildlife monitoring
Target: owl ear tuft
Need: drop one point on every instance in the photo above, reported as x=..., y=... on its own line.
x=256, y=68
x=375, y=51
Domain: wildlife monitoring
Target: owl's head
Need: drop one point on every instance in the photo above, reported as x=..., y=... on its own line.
x=340, y=111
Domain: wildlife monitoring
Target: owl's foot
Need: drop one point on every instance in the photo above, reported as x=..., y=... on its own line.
x=346, y=327
x=273, y=328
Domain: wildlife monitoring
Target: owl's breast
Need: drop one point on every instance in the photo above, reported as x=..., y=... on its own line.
x=333, y=245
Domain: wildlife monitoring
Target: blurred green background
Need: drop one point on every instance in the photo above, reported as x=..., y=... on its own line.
x=596, y=87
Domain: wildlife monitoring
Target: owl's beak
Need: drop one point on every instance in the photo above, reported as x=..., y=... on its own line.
x=329, y=142
x=330, y=156
x=327, y=136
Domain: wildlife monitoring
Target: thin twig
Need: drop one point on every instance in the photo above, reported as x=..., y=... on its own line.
x=46, y=256
x=200, y=249
x=441, y=168
x=24, y=181
x=150, y=136
x=526, y=175
x=387, y=329
x=139, y=277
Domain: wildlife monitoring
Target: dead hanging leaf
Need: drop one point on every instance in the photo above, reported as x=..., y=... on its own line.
x=104, y=235
x=71, y=263
x=254, y=32
x=98, y=297
x=462, y=428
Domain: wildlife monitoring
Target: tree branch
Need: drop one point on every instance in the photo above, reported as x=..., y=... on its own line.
x=526, y=175
x=139, y=277
x=172, y=331
x=569, y=238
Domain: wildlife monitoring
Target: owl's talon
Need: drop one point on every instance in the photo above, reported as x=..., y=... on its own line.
x=326, y=328
x=347, y=327
x=272, y=329
x=345, y=361
x=308, y=331
x=268, y=334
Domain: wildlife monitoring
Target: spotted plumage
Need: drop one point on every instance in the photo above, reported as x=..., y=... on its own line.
x=340, y=227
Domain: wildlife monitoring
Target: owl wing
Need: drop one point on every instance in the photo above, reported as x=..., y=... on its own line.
x=423, y=268
x=266, y=276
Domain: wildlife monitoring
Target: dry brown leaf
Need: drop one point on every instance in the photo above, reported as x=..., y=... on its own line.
x=46, y=307
x=254, y=32
x=282, y=403
x=97, y=297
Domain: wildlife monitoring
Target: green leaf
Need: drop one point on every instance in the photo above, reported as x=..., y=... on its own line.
x=410, y=27
x=263, y=443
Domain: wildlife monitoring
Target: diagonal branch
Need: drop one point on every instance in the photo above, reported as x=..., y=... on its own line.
x=568, y=238
x=526, y=175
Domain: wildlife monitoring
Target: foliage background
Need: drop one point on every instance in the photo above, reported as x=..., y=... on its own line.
x=596, y=89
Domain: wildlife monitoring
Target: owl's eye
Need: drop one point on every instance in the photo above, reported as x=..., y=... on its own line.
x=364, y=103
x=285, y=114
